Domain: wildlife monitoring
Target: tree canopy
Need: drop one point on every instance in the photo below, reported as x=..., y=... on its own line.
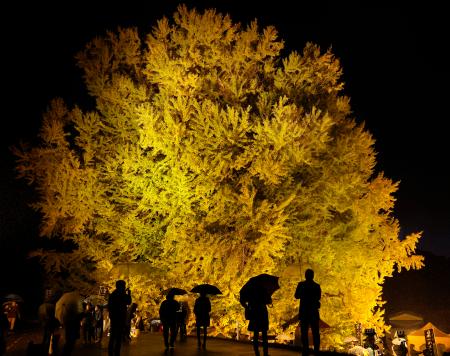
x=210, y=158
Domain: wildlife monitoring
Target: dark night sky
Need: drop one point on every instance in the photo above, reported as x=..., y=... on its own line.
x=394, y=69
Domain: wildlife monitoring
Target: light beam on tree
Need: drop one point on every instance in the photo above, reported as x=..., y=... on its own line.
x=209, y=158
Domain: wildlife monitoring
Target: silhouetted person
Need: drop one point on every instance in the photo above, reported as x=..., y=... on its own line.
x=183, y=315
x=4, y=326
x=88, y=324
x=12, y=312
x=400, y=349
x=258, y=316
x=309, y=293
x=48, y=321
x=71, y=333
x=118, y=301
x=202, y=308
x=413, y=352
x=98, y=320
x=370, y=342
x=49, y=335
x=168, y=315
x=131, y=311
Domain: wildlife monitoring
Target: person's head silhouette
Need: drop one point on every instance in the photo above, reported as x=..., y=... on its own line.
x=309, y=274
x=120, y=285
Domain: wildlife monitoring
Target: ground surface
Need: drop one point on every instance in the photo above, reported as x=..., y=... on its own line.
x=147, y=344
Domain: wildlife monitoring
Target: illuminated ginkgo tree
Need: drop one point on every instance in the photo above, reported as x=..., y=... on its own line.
x=209, y=158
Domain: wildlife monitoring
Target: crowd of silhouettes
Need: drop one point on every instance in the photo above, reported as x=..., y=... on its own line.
x=173, y=318
x=174, y=315
x=120, y=320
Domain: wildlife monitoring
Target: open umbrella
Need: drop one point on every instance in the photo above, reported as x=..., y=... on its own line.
x=259, y=288
x=174, y=291
x=357, y=350
x=96, y=300
x=350, y=339
x=206, y=289
x=398, y=341
x=68, y=307
x=13, y=297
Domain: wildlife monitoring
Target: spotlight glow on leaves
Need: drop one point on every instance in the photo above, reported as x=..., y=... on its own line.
x=209, y=159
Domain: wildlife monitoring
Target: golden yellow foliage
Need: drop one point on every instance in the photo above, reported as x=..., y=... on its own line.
x=210, y=159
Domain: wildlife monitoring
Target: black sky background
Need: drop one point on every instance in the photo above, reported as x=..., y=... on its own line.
x=395, y=69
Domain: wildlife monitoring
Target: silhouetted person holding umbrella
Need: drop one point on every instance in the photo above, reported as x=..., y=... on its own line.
x=168, y=315
x=309, y=293
x=257, y=314
x=202, y=308
x=118, y=301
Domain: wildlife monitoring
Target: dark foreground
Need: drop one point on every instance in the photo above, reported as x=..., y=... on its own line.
x=149, y=344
